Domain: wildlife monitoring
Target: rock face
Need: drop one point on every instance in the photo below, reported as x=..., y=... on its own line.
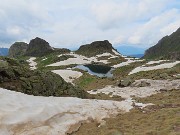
x=95, y=48
x=17, y=49
x=17, y=77
x=38, y=47
x=167, y=48
x=3, y=51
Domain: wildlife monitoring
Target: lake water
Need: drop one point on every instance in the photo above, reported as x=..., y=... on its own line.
x=98, y=70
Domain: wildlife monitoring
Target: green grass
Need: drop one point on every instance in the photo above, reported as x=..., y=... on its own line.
x=122, y=72
x=85, y=80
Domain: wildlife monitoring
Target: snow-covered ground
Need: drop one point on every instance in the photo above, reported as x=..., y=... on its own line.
x=161, y=66
x=128, y=62
x=22, y=114
x=68, y=75
x=127, y=92
x=80, y=60
x=156, y=62
x=32, y=63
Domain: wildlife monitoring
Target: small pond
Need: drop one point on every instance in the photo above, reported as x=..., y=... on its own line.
x=98, y=70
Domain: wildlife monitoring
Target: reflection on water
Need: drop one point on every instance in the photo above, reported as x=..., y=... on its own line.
x=98, y=70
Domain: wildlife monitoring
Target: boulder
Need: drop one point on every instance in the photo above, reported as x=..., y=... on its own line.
x=125, y=83
x=141, y=84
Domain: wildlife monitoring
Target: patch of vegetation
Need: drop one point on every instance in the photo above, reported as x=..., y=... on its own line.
x=122, y=72
x=166, y=97
x=155, y=64
x=50, y=59
x=16, y=77
x=103, y=58
x=85, y=80
x=102, y=96
x=115, y=61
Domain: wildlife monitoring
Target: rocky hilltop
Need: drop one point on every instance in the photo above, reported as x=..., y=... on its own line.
x=18, y=49
x=167, y=48
x=38, y=47
x=95, y=48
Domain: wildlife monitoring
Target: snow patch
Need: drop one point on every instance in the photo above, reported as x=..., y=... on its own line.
x=80, y=60
x=24, y=114
x=128, y=92
x=68, y=75
x=156, y=62
x=128, y=62
x=44, y=59
x=161, y=66
x=32, y=63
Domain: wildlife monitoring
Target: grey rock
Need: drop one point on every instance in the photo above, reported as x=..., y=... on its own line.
x=38, y=47
x=17, y=49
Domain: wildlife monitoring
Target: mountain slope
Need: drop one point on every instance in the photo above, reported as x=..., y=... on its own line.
x=167, y=48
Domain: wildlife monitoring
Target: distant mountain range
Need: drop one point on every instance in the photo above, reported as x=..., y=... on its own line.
x=130, y=50
x=3, y=51
x=167, y=48
x=136, y=55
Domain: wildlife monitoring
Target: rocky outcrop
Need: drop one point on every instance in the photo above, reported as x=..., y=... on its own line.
x=95, y=48
x=167, y=48
x=17, y=49
x=16, y=77
x=38, y=47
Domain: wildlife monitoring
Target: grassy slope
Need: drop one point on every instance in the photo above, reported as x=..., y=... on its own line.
x=163, y=118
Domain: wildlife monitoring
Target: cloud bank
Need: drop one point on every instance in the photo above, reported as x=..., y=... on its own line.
x=73, y=23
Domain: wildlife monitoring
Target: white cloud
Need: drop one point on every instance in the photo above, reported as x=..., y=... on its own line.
x=73, y=23
x=157, y=27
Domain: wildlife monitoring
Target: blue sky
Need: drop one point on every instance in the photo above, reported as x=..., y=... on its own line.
x=71, y=23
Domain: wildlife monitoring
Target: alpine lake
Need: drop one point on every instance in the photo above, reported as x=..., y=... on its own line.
x=97, y=70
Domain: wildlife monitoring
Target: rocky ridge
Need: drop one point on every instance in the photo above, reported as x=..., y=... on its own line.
x=167, y=48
